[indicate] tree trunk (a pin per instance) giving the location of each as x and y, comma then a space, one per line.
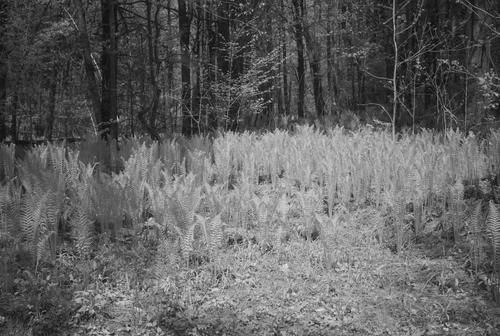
267, 86
222, 52
147, 116
3, 99
3, 73
314, 54
479, 60
184, 32
330, 58
298, 6
197, 50
13, 116
394, 70
109, 64
91, 71
170, 71
52, 105
284, 70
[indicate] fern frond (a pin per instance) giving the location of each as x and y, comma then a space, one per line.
476, 231
32, 216
493, 227
7, 162
45, 248
215, 234
187, 241
81, 230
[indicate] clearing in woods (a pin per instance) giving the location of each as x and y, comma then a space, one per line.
274, 234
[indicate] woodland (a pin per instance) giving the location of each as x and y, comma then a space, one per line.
249, 167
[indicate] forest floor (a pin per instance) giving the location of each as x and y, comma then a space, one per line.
257, 287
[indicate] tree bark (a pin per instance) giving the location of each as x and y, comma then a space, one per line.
479, 60
147, 116
184, 32
315, 64
394, 70
284, 70
298, 6
330, 58
3, 99
314, 54
13, 116
52, 104
109, 65
170, 70
91, 71
3, 73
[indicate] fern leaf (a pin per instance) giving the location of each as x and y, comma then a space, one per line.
187, 241
45, 248
81, 230
493, 227
216, 234
476, 218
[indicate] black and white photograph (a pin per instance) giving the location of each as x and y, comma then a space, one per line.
250, 167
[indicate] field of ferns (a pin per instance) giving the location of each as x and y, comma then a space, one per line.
277, 233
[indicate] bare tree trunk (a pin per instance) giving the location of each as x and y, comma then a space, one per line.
394, 70
286, 86
224, 59
3, 73
298, 6
269, 84
13, 116
284, 63
315, 64
91, 71
130, 98
330, 58
147, 116
196, 98
109, 64
480, 57
184, 32
314, 54
3, 99
52, 104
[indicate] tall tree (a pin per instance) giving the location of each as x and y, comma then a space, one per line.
184, 38
314, 55
3, 70
298, 10
147, 115
109, 65
92, 74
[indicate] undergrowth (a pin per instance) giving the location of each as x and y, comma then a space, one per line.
174, 206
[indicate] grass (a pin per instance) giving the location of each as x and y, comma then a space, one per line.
290, 289
272, 234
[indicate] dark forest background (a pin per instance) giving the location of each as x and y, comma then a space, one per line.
162, 67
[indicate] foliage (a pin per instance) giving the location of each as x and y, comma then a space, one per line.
7, 159
264, 193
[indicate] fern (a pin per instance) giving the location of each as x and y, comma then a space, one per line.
81, 231
187, 240
400, 213
7, 162
476, 232
174, 207
213, 232
260, 209
107, 205
457, 196
493, 228
10, 203
39, 219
